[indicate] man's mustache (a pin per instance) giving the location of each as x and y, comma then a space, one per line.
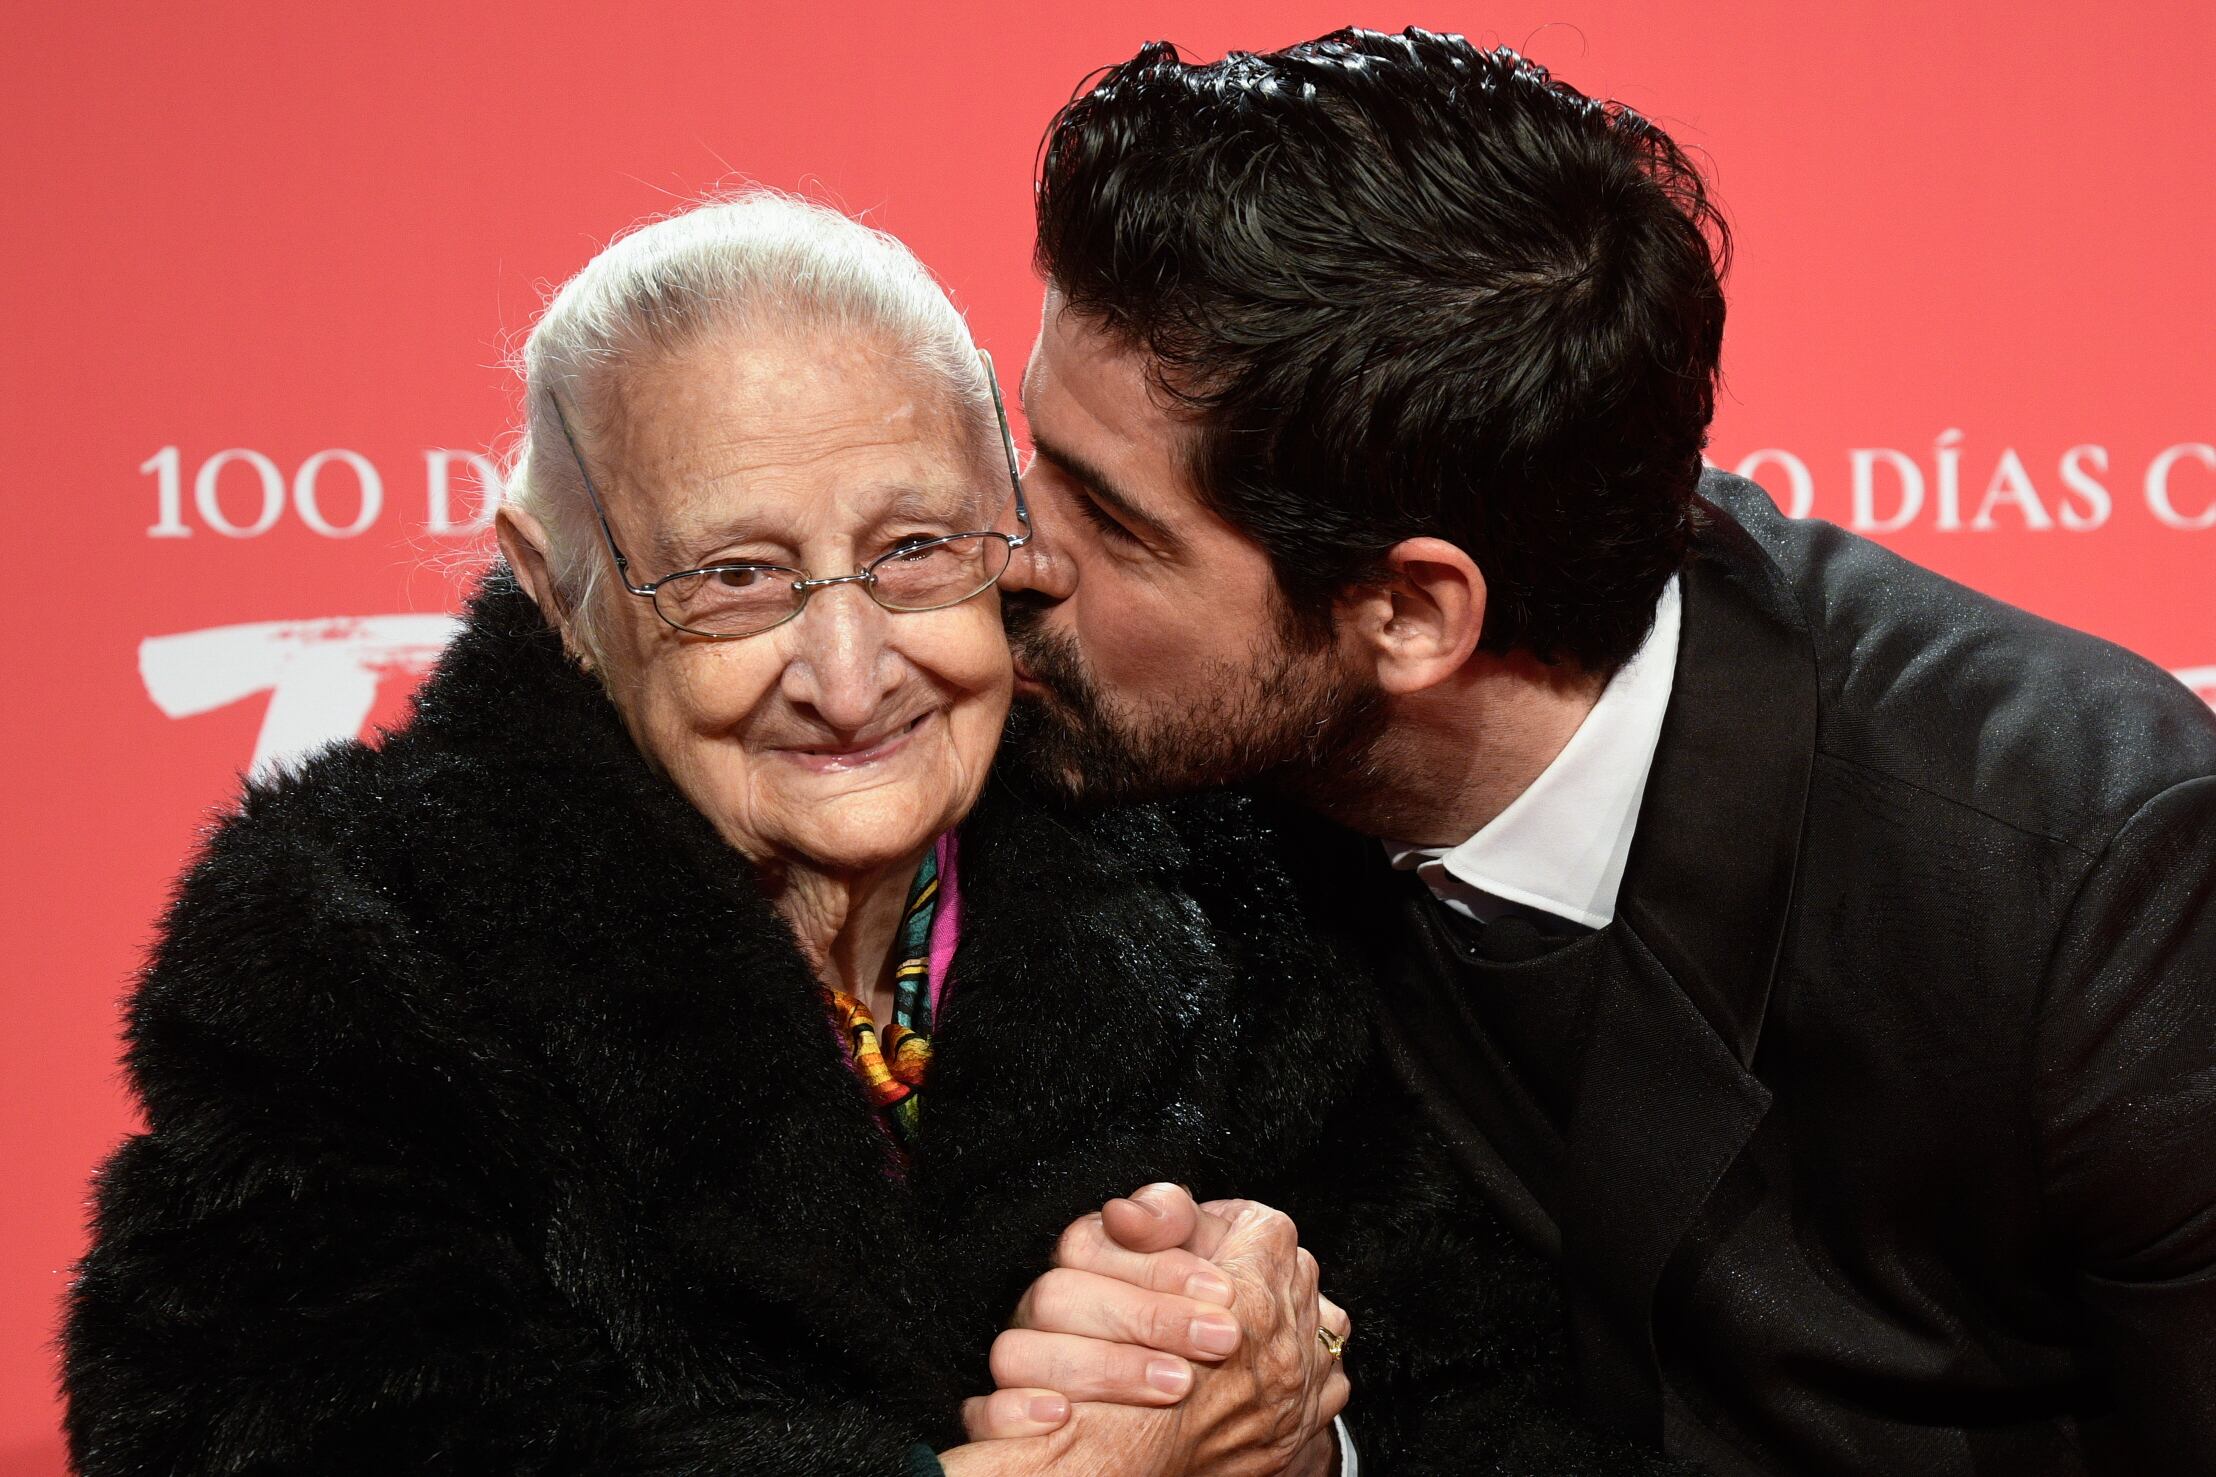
1048, 658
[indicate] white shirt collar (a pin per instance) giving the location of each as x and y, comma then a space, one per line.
1561, 845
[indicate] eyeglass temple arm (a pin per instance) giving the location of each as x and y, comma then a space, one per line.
600, 509
1007, 441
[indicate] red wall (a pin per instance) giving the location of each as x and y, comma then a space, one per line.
1974, 243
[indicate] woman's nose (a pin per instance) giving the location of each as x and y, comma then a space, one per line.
839, 661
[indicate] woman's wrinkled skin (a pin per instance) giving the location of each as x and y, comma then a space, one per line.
834, 748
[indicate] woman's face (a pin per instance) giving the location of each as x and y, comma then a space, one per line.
848, 737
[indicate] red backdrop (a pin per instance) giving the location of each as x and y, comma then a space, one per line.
261, 261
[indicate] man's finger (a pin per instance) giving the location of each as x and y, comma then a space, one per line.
1086, 1246
1152, 1218
1132, 1221
1089, 1369
1146, 1219
1006, 1414
1065, 1300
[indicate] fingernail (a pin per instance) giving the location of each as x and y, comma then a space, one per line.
1049, 1410
1149, 1196
1152, 1211
1170, 1376
1212, 1335
1207, 1287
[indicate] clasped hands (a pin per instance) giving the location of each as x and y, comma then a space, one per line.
1168, 1338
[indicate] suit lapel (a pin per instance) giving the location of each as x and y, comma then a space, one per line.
1710, 878
1668, 1097
1663, 1110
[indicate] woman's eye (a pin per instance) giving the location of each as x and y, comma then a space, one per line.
910, 542
740, 579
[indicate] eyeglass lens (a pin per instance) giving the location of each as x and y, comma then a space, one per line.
738, 600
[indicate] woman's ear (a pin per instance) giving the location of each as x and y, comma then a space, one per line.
523, 545
1420, 623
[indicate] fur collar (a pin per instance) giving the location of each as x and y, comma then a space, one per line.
537, 968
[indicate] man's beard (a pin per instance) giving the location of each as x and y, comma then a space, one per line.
1291, 722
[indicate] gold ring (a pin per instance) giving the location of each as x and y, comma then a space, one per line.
1332, 1343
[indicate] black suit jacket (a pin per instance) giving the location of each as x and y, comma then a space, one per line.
1893, 1145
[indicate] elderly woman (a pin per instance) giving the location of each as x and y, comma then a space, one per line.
671, 1053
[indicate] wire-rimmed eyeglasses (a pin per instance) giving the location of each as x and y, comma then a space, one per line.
724, 602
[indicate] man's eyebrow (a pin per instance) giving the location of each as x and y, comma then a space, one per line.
1104, 491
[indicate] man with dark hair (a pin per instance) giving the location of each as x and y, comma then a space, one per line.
1815, 959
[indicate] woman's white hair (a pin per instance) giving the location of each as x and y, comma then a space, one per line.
758, 259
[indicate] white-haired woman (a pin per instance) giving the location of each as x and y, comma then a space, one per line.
667, 1053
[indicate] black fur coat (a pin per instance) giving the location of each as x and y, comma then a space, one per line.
494, 1125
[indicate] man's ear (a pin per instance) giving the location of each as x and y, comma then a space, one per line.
1421, 623
523, 545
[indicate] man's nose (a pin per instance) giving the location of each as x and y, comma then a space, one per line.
838, 658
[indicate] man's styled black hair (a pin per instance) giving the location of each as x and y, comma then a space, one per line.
1408, 288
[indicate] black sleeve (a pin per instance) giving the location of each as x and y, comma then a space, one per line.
1459, 1360
2126, 1095
318, 1257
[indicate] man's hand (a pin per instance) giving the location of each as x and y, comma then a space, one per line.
1113, 1323
1134, 1314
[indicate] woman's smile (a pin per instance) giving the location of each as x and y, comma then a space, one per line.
834, 757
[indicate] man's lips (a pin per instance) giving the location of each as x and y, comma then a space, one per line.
837, 757
1029, 682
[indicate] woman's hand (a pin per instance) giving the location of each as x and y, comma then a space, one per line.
1276, 1398
1130, 1324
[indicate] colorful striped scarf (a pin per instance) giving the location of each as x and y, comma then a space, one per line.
892, 1062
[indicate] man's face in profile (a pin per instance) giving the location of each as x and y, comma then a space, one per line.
1154, 652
